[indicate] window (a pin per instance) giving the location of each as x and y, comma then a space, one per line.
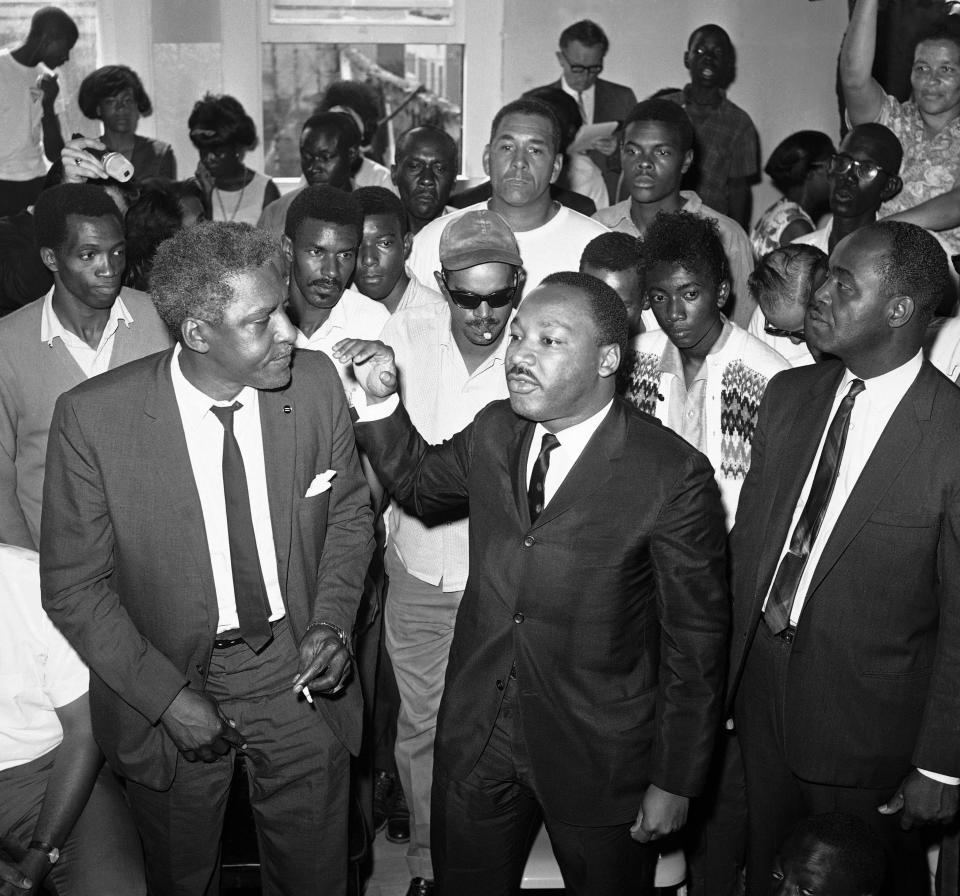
361, 12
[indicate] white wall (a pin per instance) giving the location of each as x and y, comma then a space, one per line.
786, 54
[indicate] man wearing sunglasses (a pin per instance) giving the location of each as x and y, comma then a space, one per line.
583, 47
450, 358
863, 174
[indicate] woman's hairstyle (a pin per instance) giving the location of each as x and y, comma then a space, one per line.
790, 162
109, 81
221, 121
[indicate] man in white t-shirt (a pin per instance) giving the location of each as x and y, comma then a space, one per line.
324, 226
63, 818
29, 127
522, 161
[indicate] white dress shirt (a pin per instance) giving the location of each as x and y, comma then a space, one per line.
586, 101
871, 413
572, 440
90, 360
205, 433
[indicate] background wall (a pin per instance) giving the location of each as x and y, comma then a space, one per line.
786, 55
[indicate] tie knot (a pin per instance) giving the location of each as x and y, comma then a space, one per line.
550, 441
856, 387
224, 413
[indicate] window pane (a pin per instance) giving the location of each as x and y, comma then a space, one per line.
361, 12
423, 81
14, 25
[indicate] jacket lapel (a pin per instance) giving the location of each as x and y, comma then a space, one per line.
517, 456
171, 467
278, 422
897, 443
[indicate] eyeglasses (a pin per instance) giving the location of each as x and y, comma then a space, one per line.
797, 335
470, 301
582, 69
841, 163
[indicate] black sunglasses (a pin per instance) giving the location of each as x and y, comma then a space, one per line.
771, 330
470, 301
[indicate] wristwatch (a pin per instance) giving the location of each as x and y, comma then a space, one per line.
51, 852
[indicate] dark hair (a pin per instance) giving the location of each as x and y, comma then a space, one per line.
606, 307
586, 32
193, 271
190, 189
665, 112
685, 240
857, 850
324, 203
529, 107
787, 276
56, 204
888, 148
338, 123
790, 162
425, 130
107, 81
715, 29
362, 98
220, 121
614, 251
51, 20
947, 29
381, 201
915, 265
153, 218
566, 109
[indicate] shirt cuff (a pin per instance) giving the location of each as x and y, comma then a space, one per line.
943, 779
368, 413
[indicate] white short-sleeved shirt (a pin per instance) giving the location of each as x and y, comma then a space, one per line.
21, 108
39, 670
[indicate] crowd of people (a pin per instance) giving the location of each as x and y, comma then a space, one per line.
365, 487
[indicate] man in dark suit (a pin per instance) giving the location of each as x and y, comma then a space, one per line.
206, 533
583, 47
846, 566
583, 678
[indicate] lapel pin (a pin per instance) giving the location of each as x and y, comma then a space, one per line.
287, 409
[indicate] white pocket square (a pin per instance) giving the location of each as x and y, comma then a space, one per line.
320, 484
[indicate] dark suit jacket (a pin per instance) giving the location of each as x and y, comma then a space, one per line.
613, 604
874, 676
612, 103
125, 570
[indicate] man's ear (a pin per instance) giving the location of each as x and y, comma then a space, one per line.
49, 258
609, 360
353, 153
194, 333
900, 311
407, 244
723, 293
686, 59
441, 285
893, 186
687, 161
486, 160
393, 173
286, 247
557, 167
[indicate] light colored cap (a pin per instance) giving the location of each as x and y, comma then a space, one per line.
478, 237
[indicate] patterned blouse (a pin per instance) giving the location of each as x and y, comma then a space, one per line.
766, 232
931, 166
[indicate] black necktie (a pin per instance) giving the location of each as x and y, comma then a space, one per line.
784, 589
535, 492
253, 608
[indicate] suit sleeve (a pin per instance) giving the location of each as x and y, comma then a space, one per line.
938, 745
77, 574
424, 479
688, 549
348, 543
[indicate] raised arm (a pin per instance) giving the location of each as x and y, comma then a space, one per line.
862, 92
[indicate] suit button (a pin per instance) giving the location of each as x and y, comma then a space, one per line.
528, 542
499, 685
518, 618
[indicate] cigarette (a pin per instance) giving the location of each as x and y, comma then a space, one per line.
307, 695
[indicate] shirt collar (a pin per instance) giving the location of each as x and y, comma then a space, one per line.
336, 320
888, 389
51, 327
574, 438
446, 340
195, 405
672, 361
566, 88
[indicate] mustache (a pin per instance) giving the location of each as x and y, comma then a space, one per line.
520, 370
326, 282
484, 323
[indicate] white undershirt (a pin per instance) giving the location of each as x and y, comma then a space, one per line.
90, 360
204, 433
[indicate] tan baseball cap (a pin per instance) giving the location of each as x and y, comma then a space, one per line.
477, 237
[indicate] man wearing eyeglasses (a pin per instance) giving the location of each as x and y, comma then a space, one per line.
450, 356
583, 47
